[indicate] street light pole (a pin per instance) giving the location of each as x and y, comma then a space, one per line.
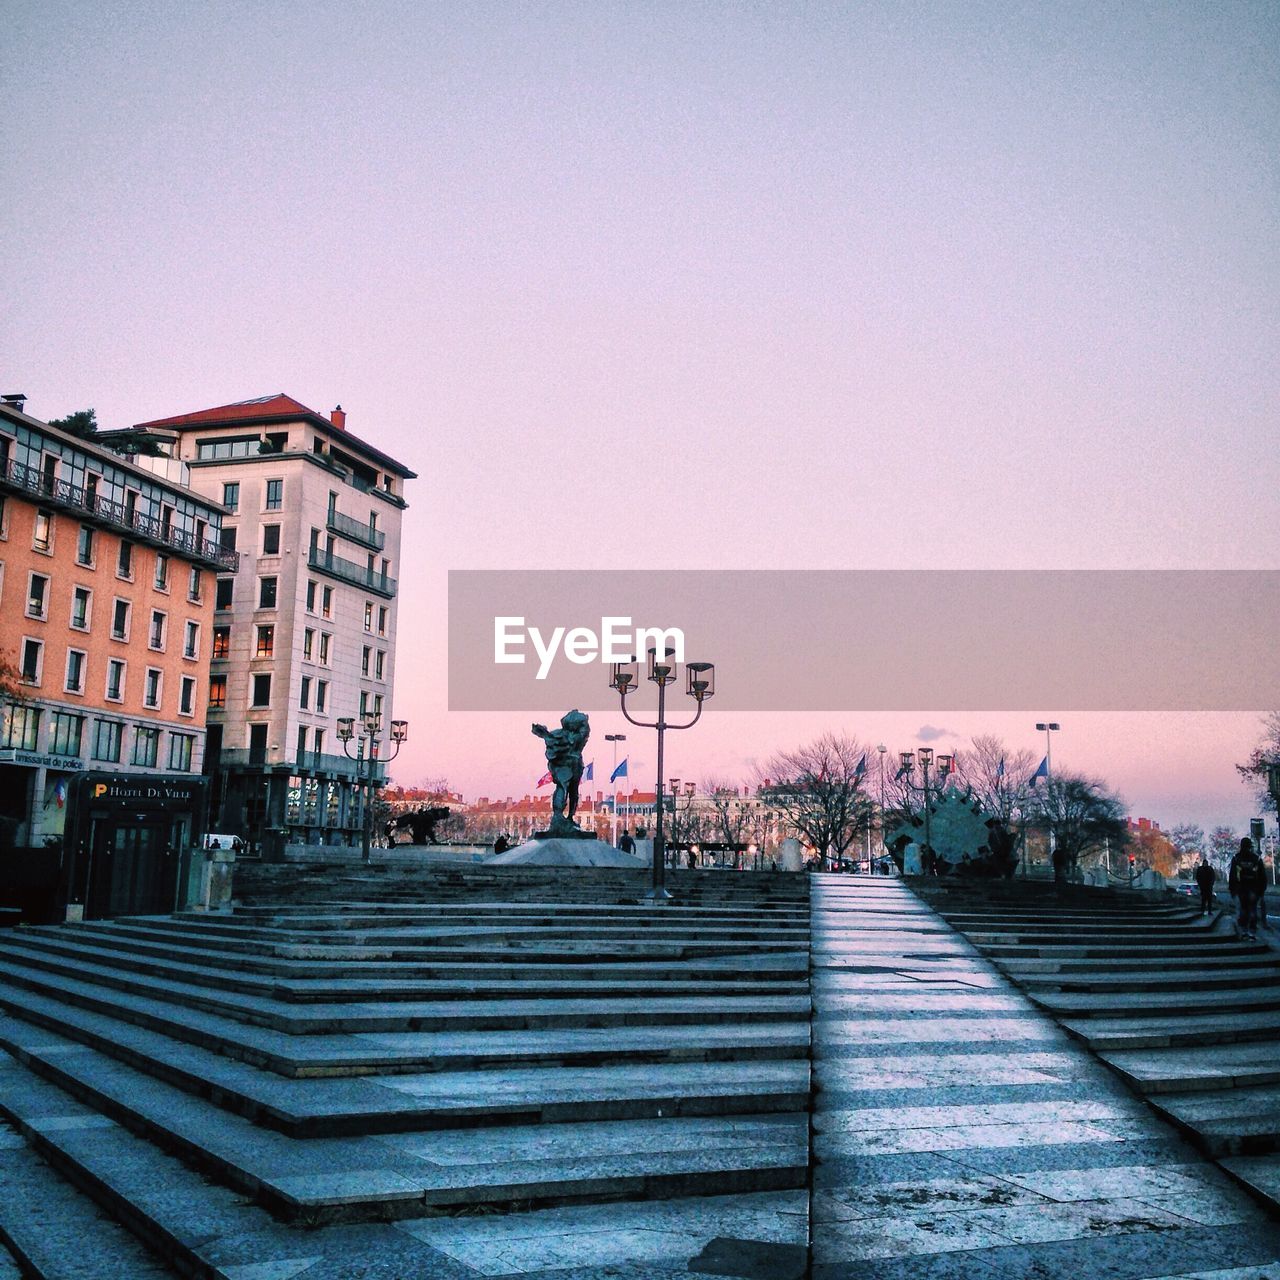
1048, 728
615, 738
884, 848
945, 764
370, 728
701, 685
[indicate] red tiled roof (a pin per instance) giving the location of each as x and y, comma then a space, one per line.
277, 408
279, 405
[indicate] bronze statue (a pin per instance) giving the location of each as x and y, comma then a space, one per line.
564, 762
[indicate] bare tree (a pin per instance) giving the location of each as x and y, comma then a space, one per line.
818, 789
998, 777
1254, 769
1188, 842
1081, 814
1223, 843
730, 813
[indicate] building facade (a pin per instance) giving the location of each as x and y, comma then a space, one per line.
107, 575
304, 630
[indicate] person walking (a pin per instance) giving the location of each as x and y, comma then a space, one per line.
1247, 879
1206, 876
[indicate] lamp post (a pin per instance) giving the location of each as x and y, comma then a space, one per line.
701, 685
615, 738
884, 848
945, 764
370, 728
1048, 728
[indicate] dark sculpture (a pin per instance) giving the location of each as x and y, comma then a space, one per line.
419, 823
564, 762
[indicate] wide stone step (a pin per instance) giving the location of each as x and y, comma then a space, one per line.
1258, 1174
360, 1177
327, 1107
97, 986
1185, 949
1171, 1004
55, 1230
1138, 980
79, 1011
301, 990
1191, 963
1230, 1122
1182, 1070
1221, 1027
317, 961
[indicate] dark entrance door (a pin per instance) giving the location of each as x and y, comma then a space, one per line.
134, 870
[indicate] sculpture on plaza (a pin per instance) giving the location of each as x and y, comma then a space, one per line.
564, 748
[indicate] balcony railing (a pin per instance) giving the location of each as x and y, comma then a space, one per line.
348, 571
346, 527
59, 493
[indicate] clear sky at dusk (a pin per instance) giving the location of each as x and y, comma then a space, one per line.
691, 285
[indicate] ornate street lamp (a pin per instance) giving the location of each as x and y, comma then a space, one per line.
945, 764
662, 671
370, 728
615, 738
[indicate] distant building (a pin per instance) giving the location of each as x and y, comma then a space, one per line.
304, 632
106, 607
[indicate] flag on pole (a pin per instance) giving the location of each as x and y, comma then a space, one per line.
546, 779
589, 773
1041, 772
620, 771
862, 767
60, 792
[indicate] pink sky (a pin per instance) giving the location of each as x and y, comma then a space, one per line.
647, 285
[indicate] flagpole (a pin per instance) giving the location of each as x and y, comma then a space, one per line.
615, 738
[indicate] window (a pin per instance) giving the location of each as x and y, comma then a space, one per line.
261, 689
180, 750
270, 539
120, 620
146, 746
326, 603
81, 602
364, 703
65, 732
368, 615
380, 665
366, 655
222, 642
108, 735
38, 596
76, 661
187, 696
239, 447
217, 692
377, 707
32, 661
302, 742
22, 727
115, 679
304, 698
124, 561
195, 584
322, 694
191, 640
222, 597
266, 593
231, 496
162, 573
49, 472
311, 597
382, 621
84, 546
42, 533
275, 495
155, 637
308, 644
319, 742
325, 638
266, 645
151, 687
227, 537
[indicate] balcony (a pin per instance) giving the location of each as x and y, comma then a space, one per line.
346, 527
308, 762
62, 496
348, 571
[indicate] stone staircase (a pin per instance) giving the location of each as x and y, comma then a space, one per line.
376, 1060
1185, 1011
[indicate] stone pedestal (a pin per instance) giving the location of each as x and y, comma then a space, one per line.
560, 851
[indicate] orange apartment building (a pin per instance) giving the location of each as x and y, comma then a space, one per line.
107, 573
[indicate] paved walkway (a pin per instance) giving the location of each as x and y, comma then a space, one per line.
959, 1133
